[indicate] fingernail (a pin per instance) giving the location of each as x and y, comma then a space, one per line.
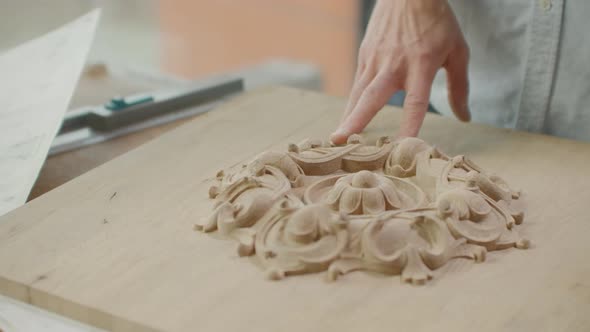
339, 136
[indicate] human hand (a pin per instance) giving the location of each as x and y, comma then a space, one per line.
407, 41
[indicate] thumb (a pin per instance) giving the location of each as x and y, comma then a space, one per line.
458, 82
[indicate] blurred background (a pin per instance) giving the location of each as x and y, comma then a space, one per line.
197, 38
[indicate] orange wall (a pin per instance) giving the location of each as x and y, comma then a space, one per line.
205, 37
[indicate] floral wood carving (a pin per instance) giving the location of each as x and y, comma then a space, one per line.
397, 207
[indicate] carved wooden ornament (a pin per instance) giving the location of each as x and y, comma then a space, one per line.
397, 207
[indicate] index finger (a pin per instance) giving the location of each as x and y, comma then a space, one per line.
373, 98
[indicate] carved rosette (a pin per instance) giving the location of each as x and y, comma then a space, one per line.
399, 208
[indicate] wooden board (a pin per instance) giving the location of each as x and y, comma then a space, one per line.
115, 247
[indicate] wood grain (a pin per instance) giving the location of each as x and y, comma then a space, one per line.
131, 262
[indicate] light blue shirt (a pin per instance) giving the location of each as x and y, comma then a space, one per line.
530, 65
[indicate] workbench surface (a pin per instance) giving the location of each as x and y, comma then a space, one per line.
115, 247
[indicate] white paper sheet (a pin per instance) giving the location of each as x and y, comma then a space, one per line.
16, 316
37, 80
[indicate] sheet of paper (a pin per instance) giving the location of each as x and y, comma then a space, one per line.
17, 316
37, 80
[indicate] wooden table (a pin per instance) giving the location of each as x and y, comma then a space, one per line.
115, 246
95, 87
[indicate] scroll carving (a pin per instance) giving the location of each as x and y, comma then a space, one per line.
397, 207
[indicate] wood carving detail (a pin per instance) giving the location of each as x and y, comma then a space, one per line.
397, 207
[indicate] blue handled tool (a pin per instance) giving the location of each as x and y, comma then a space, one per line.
121, 116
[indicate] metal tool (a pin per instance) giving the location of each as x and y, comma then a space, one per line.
121, 116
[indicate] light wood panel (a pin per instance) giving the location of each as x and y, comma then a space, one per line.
131, 262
